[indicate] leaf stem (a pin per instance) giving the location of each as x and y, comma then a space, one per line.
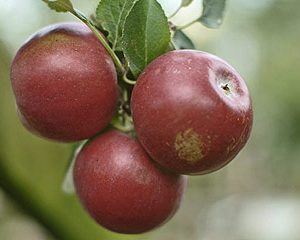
172, 44
174, 13
187, 25
115, 58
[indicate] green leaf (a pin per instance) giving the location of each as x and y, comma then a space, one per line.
182, 41
185, 3
212, 14
146, 34
60, 5
112, 16
68, 183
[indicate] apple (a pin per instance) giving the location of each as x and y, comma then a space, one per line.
192, 111
65, 83
121, 188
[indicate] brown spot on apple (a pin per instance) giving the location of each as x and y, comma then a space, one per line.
188, 146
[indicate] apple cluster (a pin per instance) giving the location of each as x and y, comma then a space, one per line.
191, 112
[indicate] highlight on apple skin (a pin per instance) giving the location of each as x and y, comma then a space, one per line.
120, 186
192, 112
65, 83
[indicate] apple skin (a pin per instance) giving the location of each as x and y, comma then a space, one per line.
65, 83
192, 112
121, 188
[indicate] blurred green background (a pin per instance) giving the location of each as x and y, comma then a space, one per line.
257, 196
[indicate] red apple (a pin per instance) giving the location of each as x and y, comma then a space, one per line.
65, 83
121, 188
192, 111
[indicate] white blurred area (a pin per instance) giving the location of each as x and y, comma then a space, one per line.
251, 218
19, 19
235, 217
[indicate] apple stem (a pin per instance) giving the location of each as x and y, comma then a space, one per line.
127, 80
